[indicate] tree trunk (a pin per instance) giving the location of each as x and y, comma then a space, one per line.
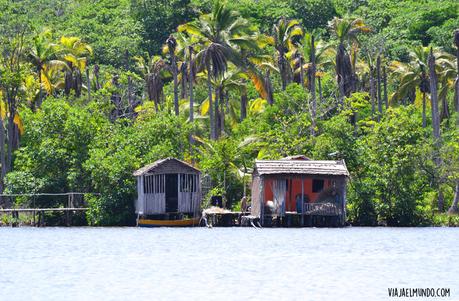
218, 93
88, 80
313, 87
386, 98
191, 109
78, 82
68, 81
435, 123
378, 80
183, 92
444, 107
456, 102
10, 141
454, 205
40, 91
174, 74
243, 101
372, 92
302, 72
96, 76
319, 83
190, 78
269, 87
424, 122
211, 110
222, 112
2, 158
282, 70
130, 94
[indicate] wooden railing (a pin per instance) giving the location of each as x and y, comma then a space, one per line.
72, 202
321, 209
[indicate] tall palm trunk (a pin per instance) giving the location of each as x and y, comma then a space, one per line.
96, 76
218, 93
183, 91
40, 91
174, 74
211, 110
424, 121
435, 123
319, 83
10, 141
313, 86
269, 87
444, 114
456, 98
386, 98
221, 129
88, 83
372, 91
243, 101
2, 157
454, 205
302, 72
190, 78
282, 69
378, 80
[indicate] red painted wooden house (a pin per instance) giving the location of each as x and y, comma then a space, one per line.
299, 186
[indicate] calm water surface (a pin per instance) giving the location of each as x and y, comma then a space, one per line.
224, 263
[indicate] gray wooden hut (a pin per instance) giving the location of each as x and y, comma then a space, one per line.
168, 186
299, 186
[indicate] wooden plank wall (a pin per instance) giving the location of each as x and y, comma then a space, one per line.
255, 203
189, 193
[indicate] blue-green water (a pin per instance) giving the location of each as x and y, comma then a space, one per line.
224, 263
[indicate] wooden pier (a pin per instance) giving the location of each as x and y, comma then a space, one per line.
38, 214
289, 220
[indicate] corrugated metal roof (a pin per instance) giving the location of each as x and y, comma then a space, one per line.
306, 167
157, 163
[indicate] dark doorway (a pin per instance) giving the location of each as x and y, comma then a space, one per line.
171, 193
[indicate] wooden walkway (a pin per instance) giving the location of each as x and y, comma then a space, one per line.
72, 206
32, 210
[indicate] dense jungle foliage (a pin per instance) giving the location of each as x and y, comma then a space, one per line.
92, 90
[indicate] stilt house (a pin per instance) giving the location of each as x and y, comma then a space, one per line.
168, 186
299, 186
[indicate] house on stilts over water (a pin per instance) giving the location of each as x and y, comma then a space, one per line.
168, 194
296, 191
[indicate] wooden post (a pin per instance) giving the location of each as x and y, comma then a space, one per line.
343, 201
262, 201
67, 213
33, 202
302, 202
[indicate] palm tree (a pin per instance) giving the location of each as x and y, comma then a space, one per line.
154, 70
308, 56
435, 119
285, 37
171, 45
454, 206
233, 79
75, 53
347, 31
42, 55
456, 98
413, 76
301, 56
221, 34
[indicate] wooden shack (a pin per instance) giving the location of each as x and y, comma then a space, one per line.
299, 187
168, 187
